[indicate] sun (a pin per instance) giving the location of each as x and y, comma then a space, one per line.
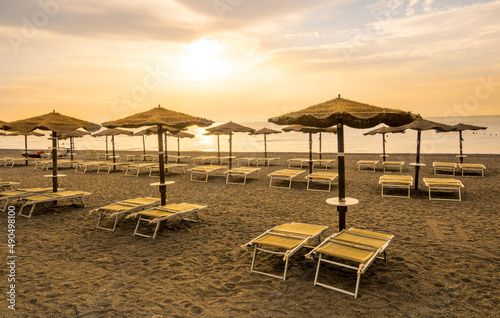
205, 60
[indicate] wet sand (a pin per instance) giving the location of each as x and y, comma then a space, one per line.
443, 261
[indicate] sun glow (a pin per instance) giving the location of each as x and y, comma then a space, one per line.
205, 60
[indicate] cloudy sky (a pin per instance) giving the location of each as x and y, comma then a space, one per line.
247, 60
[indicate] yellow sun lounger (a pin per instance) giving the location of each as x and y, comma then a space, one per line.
301, 161
203, 159
241, 172
165, 213
120, 209
285, 174
7, 185
204, 171
285, 240
321, 177
393, 165
16, 194
266, 161
109, 165
353, 249
396, 181
444, 185
82, 167
168, 167
444, 166
135, 169
325, 162
367, 163
51, 197
472, 167
177, 159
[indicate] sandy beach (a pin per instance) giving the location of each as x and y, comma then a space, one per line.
443, 261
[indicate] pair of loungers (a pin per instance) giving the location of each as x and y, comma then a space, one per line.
353, 248
388, 165
447, 167
321, 177
147, 210
434, 185
257, 161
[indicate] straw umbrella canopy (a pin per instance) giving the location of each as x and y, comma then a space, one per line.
419, 125
58, 124
265, 132
71, 135
381, 130
340, 112
153, 131
112, 132
31, 133
179, 135
230, 128
159, 117
461, 127
310, 131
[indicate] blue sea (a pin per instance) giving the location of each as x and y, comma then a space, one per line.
474, 142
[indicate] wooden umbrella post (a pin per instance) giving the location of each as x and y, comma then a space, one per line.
114, 154
383, 147
320, 154
161, 158
461, 153
179, 146
230, 149
341, 167
417, 159
54, 162
310, 153
265, 146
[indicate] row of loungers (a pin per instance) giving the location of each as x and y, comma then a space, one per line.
439, 167
352, 249
434, 185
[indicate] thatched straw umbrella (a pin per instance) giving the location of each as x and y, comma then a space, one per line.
71, 135
160, 117
381, 130
310, 131
340, 112
461, 127
153, 131
230, 128
112, 132
179, 135
58, 124
265, 132
419, 125
31, 133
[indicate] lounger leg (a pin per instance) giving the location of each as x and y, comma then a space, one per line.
156, 229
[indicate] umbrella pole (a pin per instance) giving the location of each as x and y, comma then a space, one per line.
26, 148
218, 149
320, 155
383, 147
417, 160
230, 150
341, 170
461, 153
54, 162
71, 147
143, 145
106, 147
114, 157
310, 153
265, 146
161, 157
166, 151
178, 146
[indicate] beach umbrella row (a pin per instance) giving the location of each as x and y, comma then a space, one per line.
179, 135
112, 132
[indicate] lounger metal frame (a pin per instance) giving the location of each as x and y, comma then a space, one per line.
129, 207
444, 185
54, 196
393, 164
444, 166
321, 177
368, 163
361, 267
138, 167
241, 172
286, 254
168, 167
393, 181
171, 211
302, 161
472, 167
205, 171
320, 162
285, 174
17, 194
